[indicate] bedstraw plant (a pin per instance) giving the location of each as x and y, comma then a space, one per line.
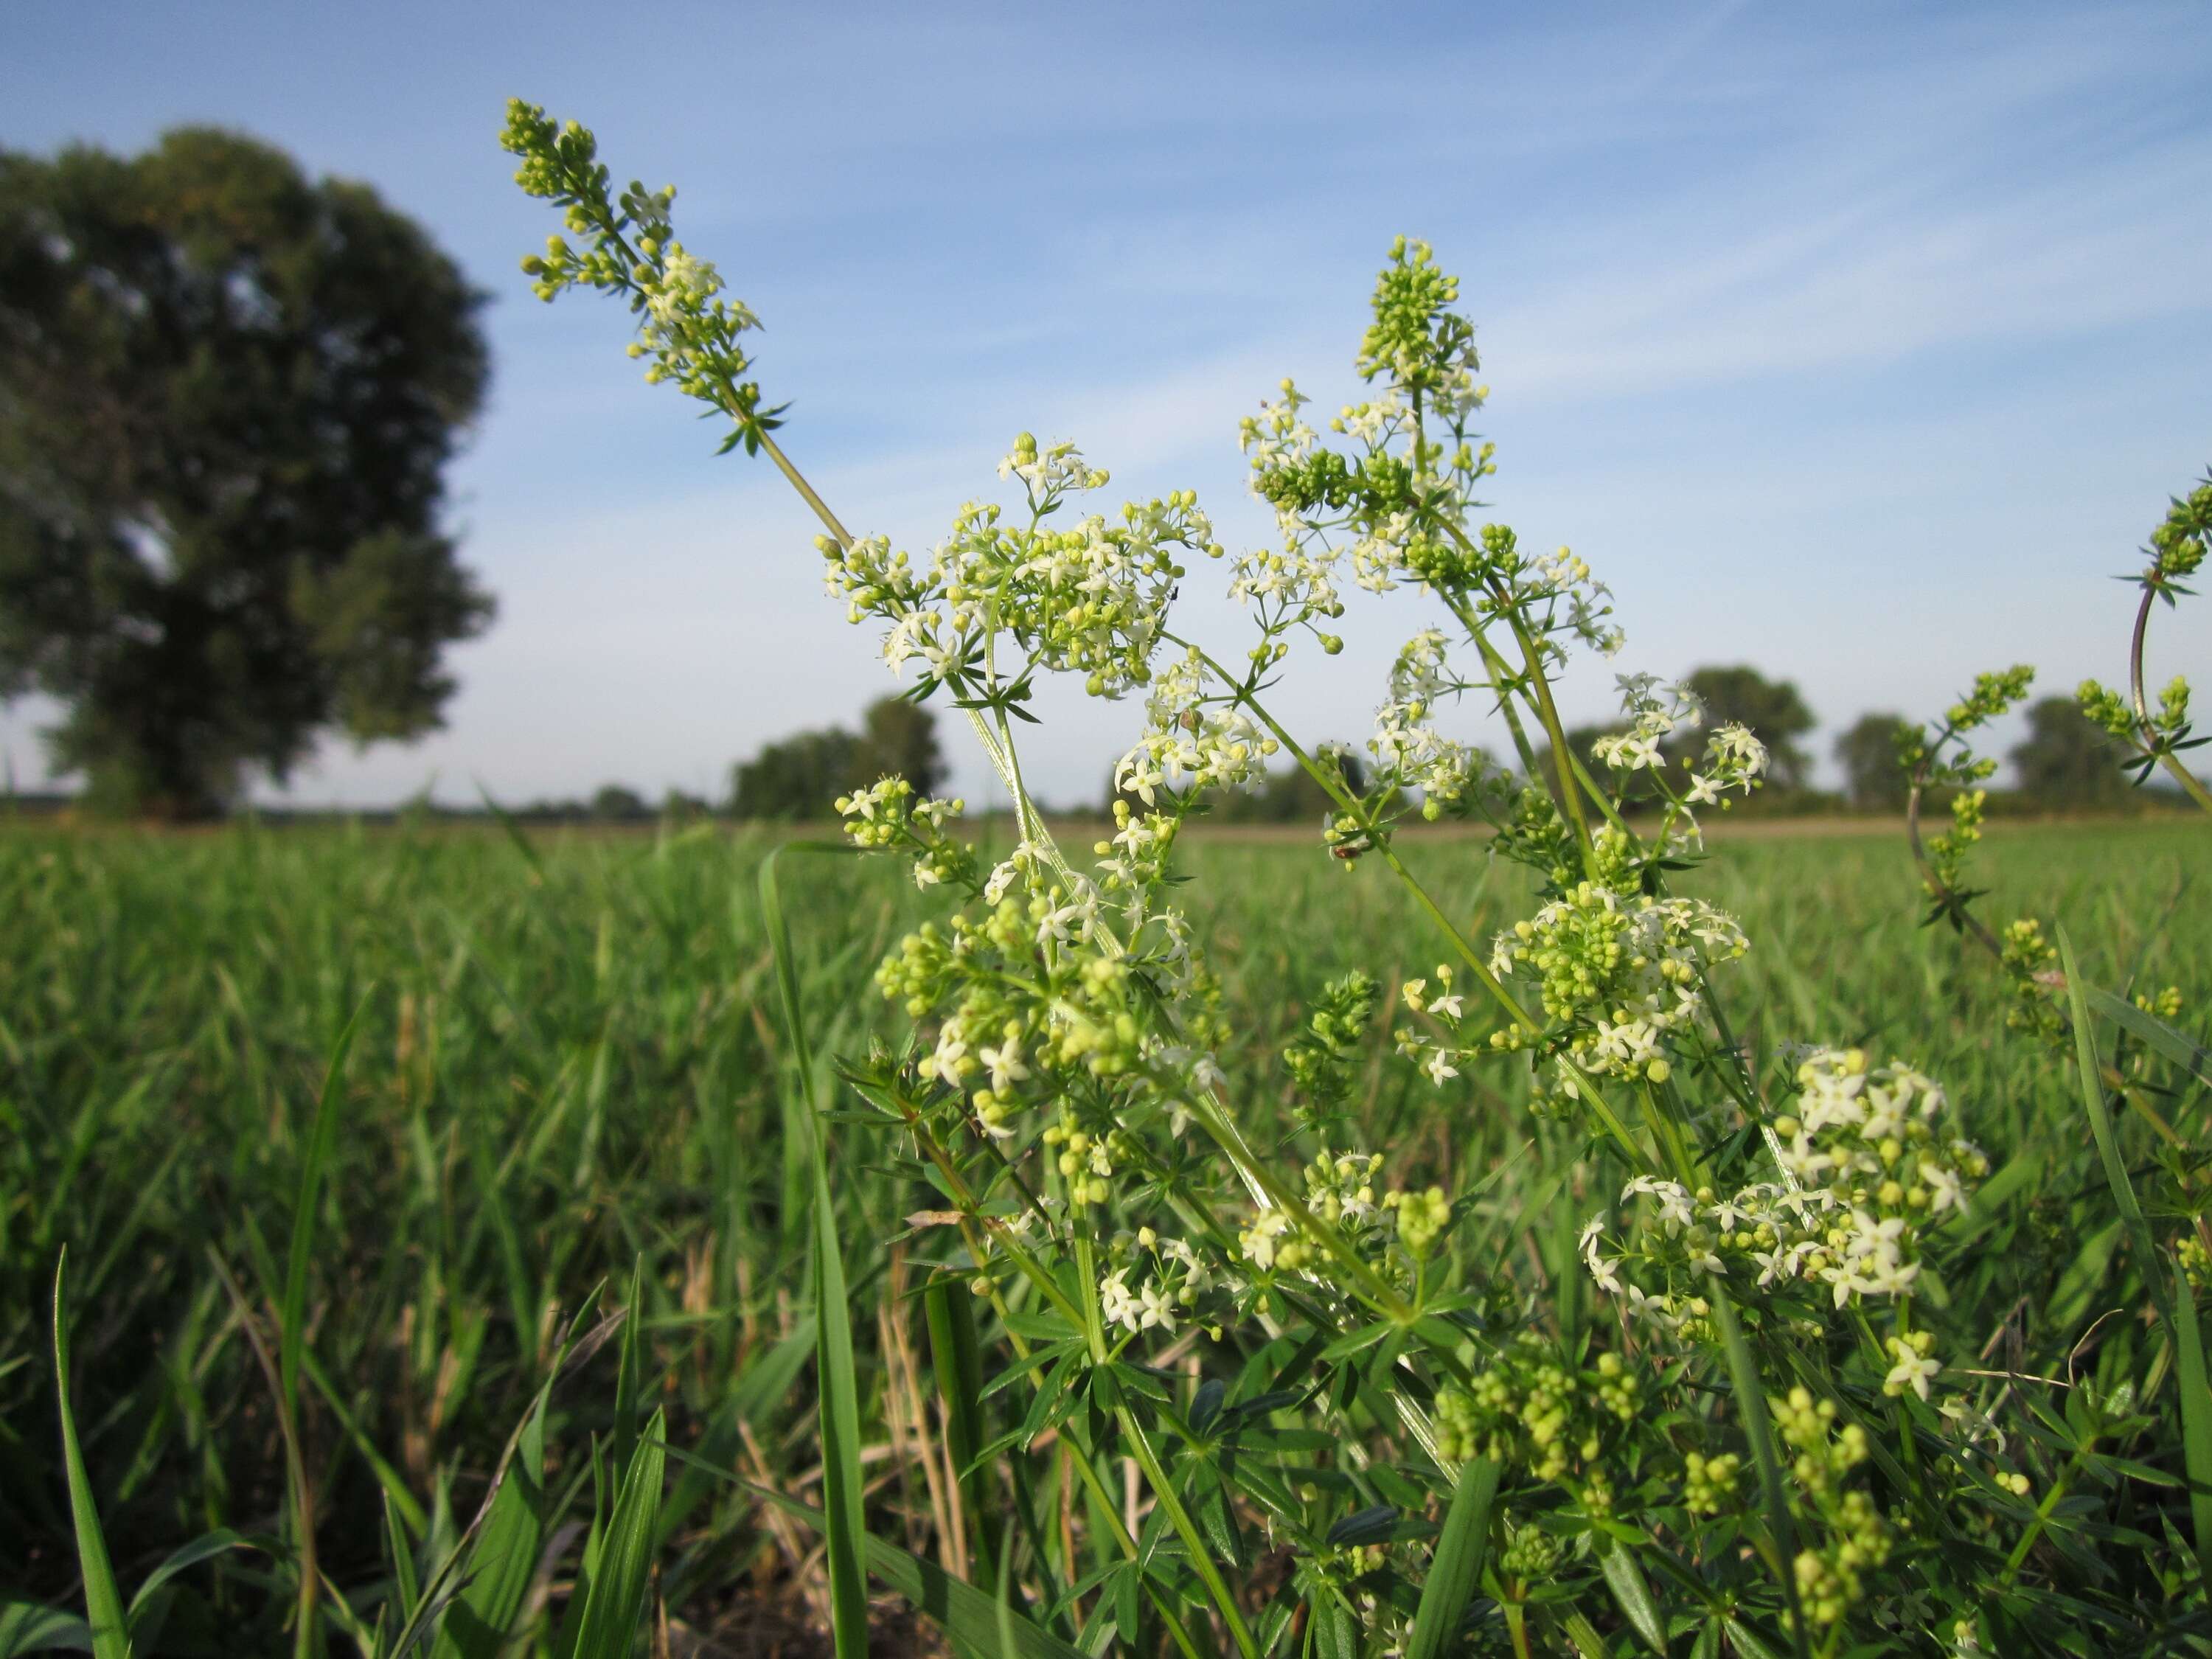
1769, 1431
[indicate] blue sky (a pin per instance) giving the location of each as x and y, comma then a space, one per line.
1860, 341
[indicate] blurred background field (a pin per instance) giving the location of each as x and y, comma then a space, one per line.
568, 1060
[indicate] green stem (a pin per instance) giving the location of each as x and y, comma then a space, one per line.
2171, 761
1156, 1476
1586, 1089
2044, 1511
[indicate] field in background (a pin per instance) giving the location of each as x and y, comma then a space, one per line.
568, 1060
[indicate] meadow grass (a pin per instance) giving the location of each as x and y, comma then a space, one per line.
567, 1064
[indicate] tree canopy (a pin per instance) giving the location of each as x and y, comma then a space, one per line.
228, 395
2067, 759
1867, 753
802, 776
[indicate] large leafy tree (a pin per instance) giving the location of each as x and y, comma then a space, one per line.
2067, 759
801, 776
228, 395
1872, 774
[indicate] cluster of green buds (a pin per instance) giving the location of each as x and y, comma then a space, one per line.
1711, 1484
1620, 972
687, 327
886, 817
1854, 1540
2029, 962
1940, 757
2159, 736
1532, 1408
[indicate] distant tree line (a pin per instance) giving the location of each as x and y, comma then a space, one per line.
2063, 763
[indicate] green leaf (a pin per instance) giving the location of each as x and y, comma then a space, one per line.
1456, 1567
103, 1602
1750, 1643
614, 1609
2196, 1419
1631, 1589
26, 1627
505, 1558
2150, 1030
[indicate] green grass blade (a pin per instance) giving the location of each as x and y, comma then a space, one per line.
841, 1428
191, 1555
2153, 1031
629, 1374
292, 1318
615, 1608
322, 1142
2196, 1419
1758, 1429
836, 1378
956, 1362
26, 1627
2092, 1076
103, 1602
1456, 1567
505, 1558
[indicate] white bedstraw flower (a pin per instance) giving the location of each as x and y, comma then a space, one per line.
1440, 1066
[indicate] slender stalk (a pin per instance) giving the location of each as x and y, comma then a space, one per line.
2187, 779
1586, 1089
1936, 889
1163, 1491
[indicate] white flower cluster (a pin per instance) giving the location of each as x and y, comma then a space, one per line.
1657, 710
1378, 557
886, 815
1865, 1173
1406, 744
1188, 742
1294, 585
1448, 1007
683, 316
1563, 578
1169, 1292
1734, 759
1091, 598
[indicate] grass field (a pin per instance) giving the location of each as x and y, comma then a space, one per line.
567, 1062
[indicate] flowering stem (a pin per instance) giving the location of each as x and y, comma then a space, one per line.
2167, 758
1585, 1088
2044, 1511
1936, 888
1562, 758
1156, 1476
1539, 688
1501, 682
842, 535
